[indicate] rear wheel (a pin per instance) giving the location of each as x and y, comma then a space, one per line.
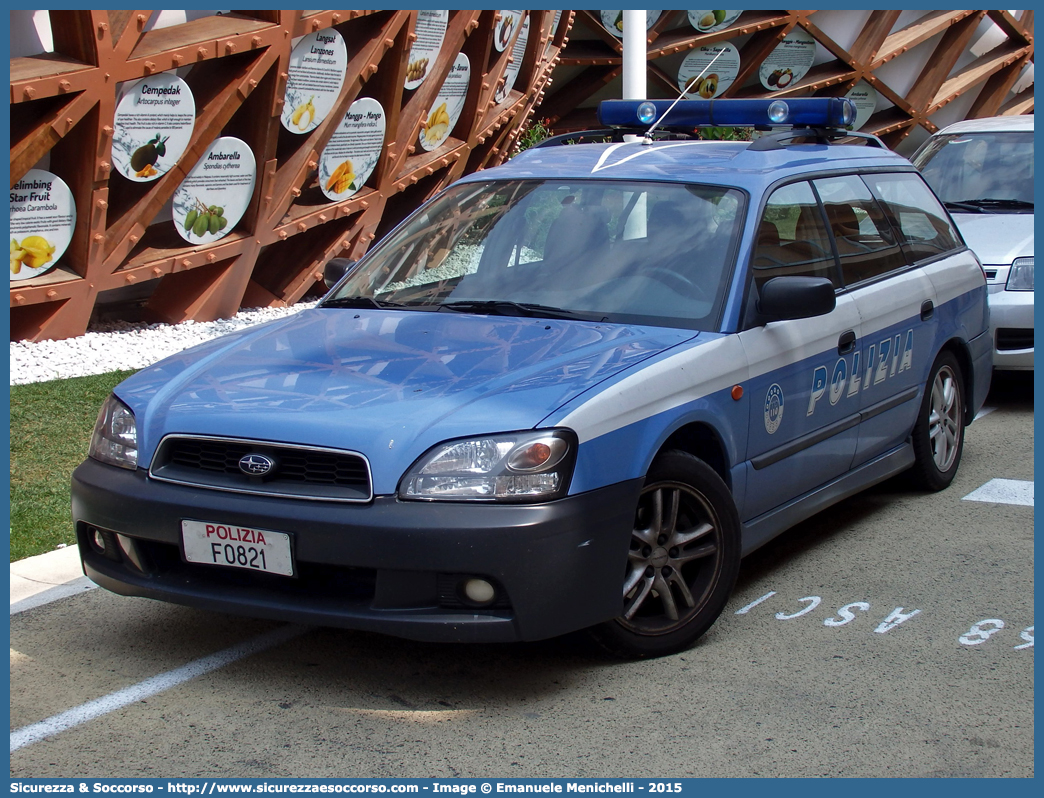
938, 435
682, 563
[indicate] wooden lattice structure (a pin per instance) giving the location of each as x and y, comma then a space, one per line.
63, 103
936, 43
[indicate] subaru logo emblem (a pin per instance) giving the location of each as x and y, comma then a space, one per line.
256, 465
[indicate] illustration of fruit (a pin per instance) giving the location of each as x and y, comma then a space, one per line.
774, 77
303, 115
203, 219
508, 26
342, 179
143, 159
619, 21
709, 86
417, 69
719, 17
17, 253
437, 126
708, 20
34, 252
784, 78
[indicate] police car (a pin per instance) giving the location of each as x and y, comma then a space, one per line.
569, 392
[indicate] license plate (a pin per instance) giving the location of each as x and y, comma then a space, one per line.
237, 547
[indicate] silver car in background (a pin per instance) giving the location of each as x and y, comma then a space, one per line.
982, 169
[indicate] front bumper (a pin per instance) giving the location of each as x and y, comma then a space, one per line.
388, 566
1011, 328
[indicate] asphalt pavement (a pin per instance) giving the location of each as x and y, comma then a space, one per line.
891, 635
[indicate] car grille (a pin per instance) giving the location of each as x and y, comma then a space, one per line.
1009, 338
301, 472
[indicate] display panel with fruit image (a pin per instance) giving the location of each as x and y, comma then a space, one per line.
864, 96
42, 220
448, 105
707, 21
708, 71
505, 29
213, 198
318, 65
518, 52
430, 31
612, 21
353, 150
789, 62
152, 127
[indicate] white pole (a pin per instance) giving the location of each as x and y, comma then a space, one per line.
634, 55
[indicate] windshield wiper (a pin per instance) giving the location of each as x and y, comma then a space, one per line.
360, 302
987, 204
503, 307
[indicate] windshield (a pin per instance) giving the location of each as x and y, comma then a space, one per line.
597, 250
981, 172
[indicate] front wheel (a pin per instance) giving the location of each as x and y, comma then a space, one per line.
683, 560
938, 434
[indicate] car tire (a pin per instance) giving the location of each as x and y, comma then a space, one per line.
938, 434
682, 563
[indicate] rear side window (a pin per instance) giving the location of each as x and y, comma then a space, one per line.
973, 167
865, 241
792, 239
915, 212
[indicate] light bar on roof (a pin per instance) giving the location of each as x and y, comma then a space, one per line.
821, 112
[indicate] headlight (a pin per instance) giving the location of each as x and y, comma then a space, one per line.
521, 466
115, 438
1020, 278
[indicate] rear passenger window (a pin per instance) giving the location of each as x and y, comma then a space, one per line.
865, 241
792, 239
915, 212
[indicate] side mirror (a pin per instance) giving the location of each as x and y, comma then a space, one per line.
335, 269
795, 298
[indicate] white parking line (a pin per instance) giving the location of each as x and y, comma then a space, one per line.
1003, 491
76, 716
52, 594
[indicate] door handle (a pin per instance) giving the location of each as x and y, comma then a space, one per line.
927, 310
846, 343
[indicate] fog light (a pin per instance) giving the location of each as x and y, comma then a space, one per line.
99, 540
479, 590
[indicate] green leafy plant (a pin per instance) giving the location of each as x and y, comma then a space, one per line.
536, 131
725, 133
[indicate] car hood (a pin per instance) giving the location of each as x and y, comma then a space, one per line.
389, 384
997, 238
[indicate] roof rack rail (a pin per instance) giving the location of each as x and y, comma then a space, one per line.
614, 134
774, 141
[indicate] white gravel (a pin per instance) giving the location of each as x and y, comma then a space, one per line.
124, 345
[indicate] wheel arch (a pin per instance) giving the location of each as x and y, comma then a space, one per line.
959, 349
703, 442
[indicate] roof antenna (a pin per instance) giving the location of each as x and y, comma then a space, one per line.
647, 138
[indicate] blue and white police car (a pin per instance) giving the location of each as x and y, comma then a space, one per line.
569, 392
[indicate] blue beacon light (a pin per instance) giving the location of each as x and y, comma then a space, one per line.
820, 112
647, 113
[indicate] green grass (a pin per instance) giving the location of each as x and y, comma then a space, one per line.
51, 425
